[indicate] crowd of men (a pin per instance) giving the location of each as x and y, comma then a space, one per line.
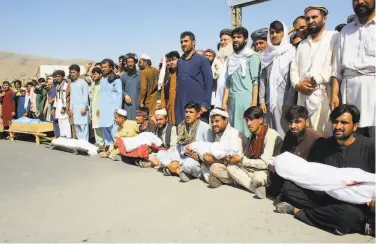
308, 93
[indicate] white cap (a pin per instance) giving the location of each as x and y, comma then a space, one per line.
121, 112
146, 57
221, 112
161, 112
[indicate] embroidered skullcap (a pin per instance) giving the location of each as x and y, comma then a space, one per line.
317, 7
260, 34
121, 112
161, 112
218, 111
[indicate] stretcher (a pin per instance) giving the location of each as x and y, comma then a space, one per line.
38, 130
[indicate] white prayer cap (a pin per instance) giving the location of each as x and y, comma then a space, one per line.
218, 111
121, 112
145, 57
161, 112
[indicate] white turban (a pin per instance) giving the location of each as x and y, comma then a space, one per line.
145, 57
161, 112
121, 112
221, 112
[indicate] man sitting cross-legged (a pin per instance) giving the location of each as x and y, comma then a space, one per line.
126, 128
251, 171
215, 170
343, 150
167, 133
183, 161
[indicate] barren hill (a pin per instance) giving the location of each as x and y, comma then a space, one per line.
24, 67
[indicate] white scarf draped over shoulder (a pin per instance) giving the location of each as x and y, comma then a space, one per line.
280, 61
237, 60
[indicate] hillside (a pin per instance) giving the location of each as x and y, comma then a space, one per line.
18, 66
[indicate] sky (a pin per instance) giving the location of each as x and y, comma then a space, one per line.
95, 29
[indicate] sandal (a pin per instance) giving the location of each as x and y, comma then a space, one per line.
145, 164
166, 171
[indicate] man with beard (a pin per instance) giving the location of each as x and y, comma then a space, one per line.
110, 100
148, 84
167, 133
195, 79
259, 38
214, 171
312, 67
343, 150
60, 106
218, 66
354, 67
169, 86
210, 55
300, 26
275, 92
241, 90
131, 85
300, 138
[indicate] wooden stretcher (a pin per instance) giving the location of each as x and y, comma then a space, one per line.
37, 130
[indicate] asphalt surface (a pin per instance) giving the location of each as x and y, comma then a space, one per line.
53, 196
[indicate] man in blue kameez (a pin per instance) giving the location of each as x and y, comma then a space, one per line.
111, 97
131, 84
194, 79
79, 103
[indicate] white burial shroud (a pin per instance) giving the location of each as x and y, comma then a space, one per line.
218, 149
76, 144
145, 138
321, 177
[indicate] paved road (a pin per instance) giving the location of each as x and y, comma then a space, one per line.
53, 196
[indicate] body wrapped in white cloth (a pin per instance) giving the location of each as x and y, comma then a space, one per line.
321, 177
218, 149
145, 138
76, 144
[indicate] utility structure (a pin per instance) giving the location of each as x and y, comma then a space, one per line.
236, 10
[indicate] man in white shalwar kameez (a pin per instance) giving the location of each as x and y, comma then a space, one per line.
219, 66
60, 105
275, 92
214, 171
312, 67
354, 66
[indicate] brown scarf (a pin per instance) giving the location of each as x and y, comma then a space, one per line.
256, 145
186, 136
